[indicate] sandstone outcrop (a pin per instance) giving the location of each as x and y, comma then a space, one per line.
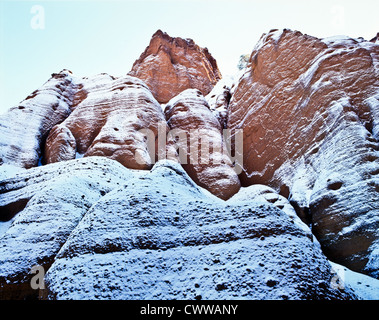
170, 65
218, 99
102, 231
110, 121
24, 128
202, 150
55, 198
196, 227
309, 110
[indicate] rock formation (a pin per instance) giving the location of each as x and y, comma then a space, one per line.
309, 109
24, 128
202, 149
170, 65
55, 198
184, 228
112, 233
218, 99
110, 121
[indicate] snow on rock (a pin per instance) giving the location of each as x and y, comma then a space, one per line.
261, 193
56, 197
8, 171
218, 99
4, 226
24, 128
170, 65
189, 116
365, 287
16, 191
161, 237
110, 121
309, 111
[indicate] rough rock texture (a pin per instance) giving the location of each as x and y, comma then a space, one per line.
161, 237
24, 128
202, 150
309, 109
109, 122
102, 231
262, 193
170, 65
218, 99
56, 197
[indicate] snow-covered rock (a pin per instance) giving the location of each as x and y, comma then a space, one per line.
56, 197
24, 128
365, 287
309, 112
218, 99
202, 149
102, 231
161, 237
110, 121
262, 193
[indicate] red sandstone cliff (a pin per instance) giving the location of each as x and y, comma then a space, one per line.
170, 65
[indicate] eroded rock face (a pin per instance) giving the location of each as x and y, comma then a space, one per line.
218, 99
101, 231
109, 122
309, 111
55, 198
24, 128
202, 150
170, 65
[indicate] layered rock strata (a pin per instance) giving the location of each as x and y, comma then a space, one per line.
55, 197
170, 65
309, 111
201, 147
23, 129
111, 121
113, 233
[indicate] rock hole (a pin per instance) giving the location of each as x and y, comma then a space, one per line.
272, 200
8, 211
284, 191
221, 286
315, 150
370, 158
335, 185
272, 283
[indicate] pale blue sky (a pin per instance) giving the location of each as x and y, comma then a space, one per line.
90, 37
